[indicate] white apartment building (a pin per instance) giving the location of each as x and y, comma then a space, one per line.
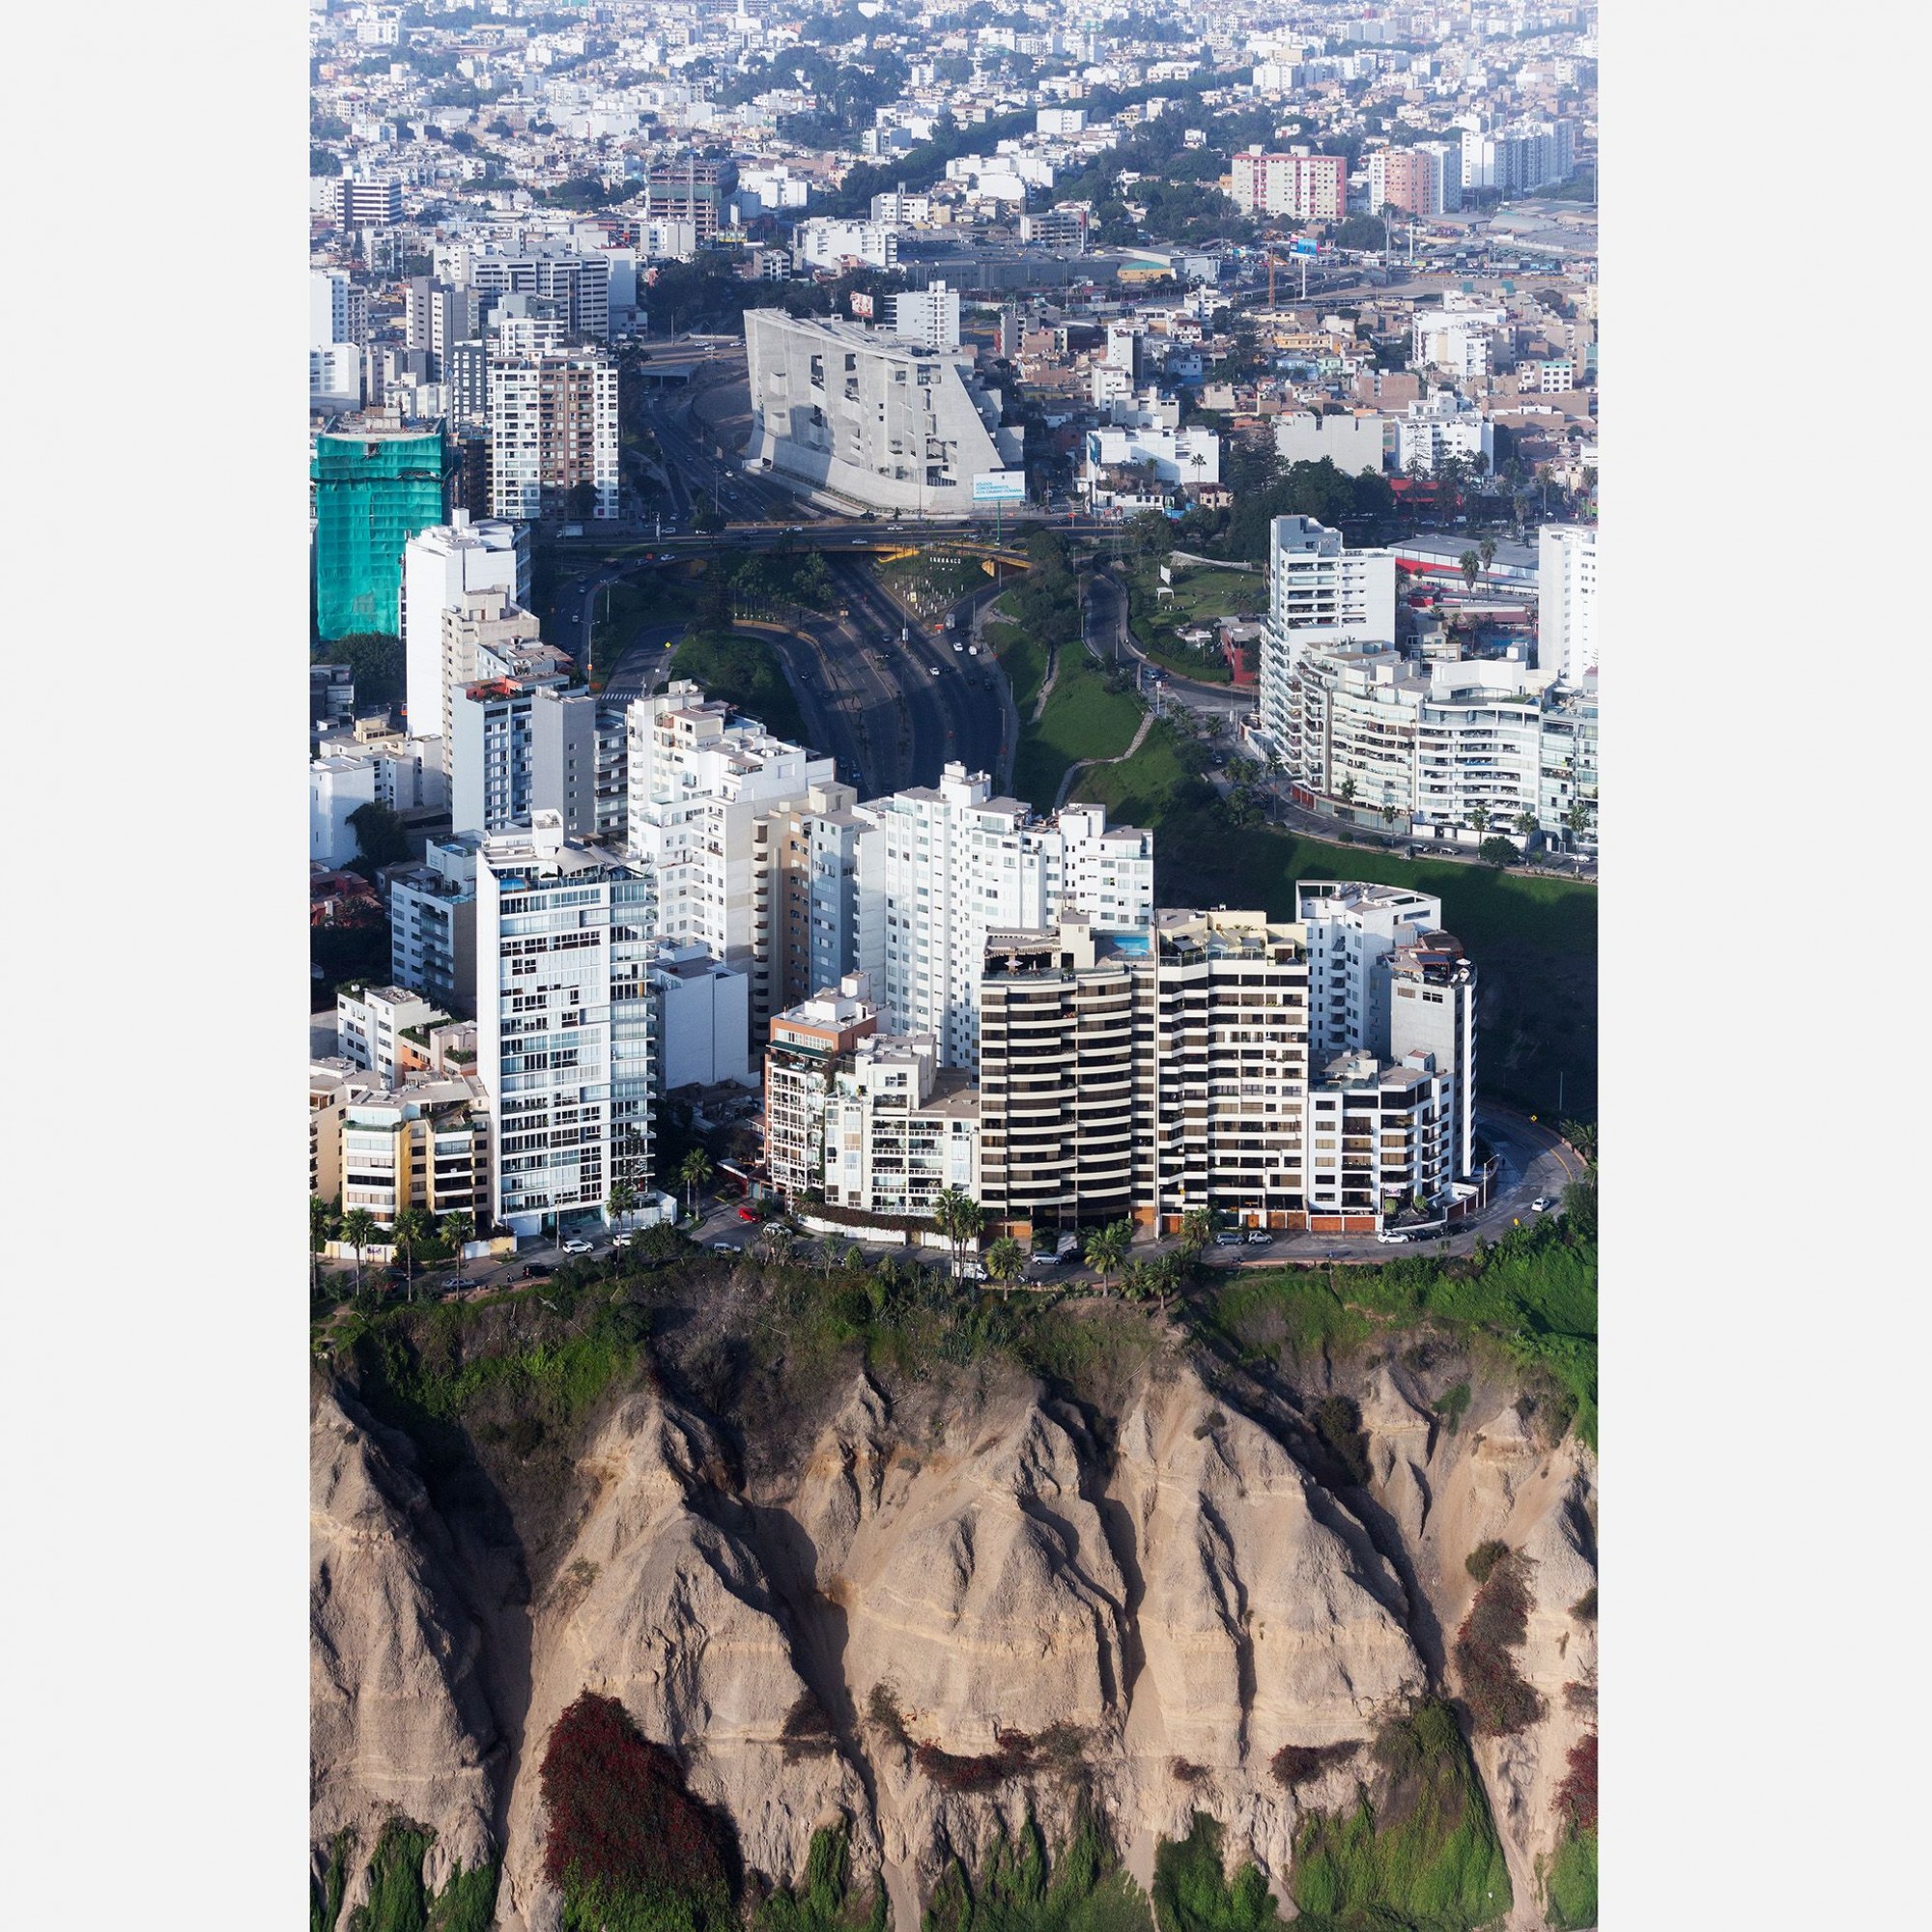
404, 774
1522, 158
1569, 781
887, 425
579, 282
825, 244
1352, 926
338, 311
940, 866
709, 795
930, 315
704, 1019
1451, 749
335, 383
1319, 591
1433, 1014
1354, 440
476, 632
443, 566
433, 925
565, 1023
899, 210
520, 744
1439, 426
899, 1129
1381, 1135
1460, 338
370, 1022
818, 847
552, 427
807, 1041
1180, 457
1566, 592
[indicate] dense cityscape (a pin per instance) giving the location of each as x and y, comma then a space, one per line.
957, 646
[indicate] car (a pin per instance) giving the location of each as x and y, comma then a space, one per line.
465, 1281
1542, 1205
1260, 1238
972, 650
537, 1271
1230, 1237
1390, 1237
971, 1270
957, 645
748, 1213
576, 1246
726, 1248
622, 1241
932, 671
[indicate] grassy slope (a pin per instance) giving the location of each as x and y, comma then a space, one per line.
1083, 719
744, 671
1534, 939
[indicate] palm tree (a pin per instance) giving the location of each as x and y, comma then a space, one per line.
1471, 566
1526, 825
320, 1215
1108, 1248
1137, 1280
1577, 822
1480, 820
777, 1240
1486, 551
1005, 1263
409, 1229
458, 1228
623, 1201
1197, 1229
693, 1173
959, 1218
359, 1230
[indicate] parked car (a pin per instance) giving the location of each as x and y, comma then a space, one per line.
576, 1246
622, 1241
748, 1213
726, 1248
465, 1281
1390, 1237
971, 1270
1260, 1238
537, 1271
1230, 1237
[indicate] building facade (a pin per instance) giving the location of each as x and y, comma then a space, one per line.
433, 926
565, 1023
940, 866
374, 489
1319, 591
553, 436
1565, 590
442, 567
884, 424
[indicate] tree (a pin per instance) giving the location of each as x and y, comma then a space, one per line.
1496, 852
1472, 567
379, 838
694, 1171
623, 1201
776, 1241
1347, 791
1108, 1248
319, 1216
458, 1228
581, 501
1577, 822
1480, 820
1197, 1229
1005, 1263
959, 1218
409, 1229
1525, 824
359, 1230
1486, 551
375, 663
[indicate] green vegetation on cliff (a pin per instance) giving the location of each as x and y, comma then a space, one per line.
1017, 1888
1424, 1858
1194, 1893
1571, 1883
828, 1901
398, 1899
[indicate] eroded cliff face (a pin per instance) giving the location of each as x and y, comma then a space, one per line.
1167, 1595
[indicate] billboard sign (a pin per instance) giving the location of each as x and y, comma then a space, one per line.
1000, 486
1301, 245
862, 304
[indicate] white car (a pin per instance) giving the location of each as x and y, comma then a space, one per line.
1542, 1205
576, 1245
932, 671
622, 1241
957, 645
1389, 1238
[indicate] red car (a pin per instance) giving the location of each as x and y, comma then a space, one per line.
748, 1213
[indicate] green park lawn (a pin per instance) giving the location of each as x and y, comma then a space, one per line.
1082, 720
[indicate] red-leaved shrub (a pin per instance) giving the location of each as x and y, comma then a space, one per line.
1500, 1702
626, 1840
1577, 1795
1013, 1758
